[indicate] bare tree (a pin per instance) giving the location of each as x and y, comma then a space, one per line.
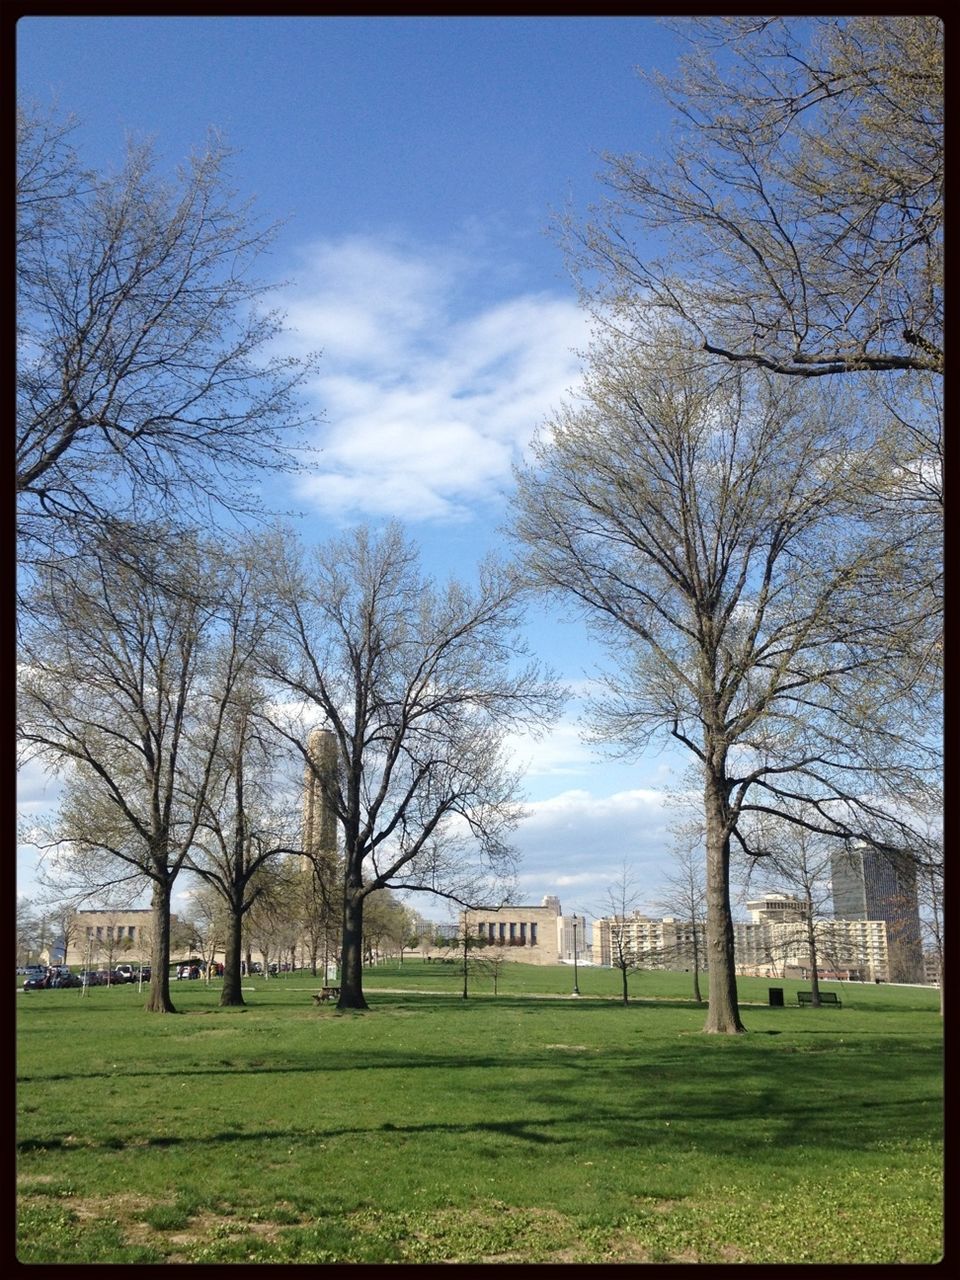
271, 921
622, 902
28, 931
709, 523
492, 963
145, 372
127, 672
241, 827
418, 684
787, 855
684, 895
930, 893
801, 197
471, 949
206, 924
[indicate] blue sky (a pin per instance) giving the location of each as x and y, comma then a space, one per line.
416, 164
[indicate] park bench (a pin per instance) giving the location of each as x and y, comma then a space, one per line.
826, 997
325, 994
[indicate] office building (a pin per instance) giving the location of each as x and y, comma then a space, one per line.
872, 885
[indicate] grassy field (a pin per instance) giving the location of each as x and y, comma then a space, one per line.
517, 1128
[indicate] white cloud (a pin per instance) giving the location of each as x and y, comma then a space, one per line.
560, 752
38, 789
578, 841
428, 396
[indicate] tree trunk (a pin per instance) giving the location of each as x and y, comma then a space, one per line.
623, 979
232, 993
723, 1017
696, 967
158, 997
812, 955
351, 956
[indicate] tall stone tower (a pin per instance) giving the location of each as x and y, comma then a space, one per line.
319, 819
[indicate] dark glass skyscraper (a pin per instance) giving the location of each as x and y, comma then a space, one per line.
870, 885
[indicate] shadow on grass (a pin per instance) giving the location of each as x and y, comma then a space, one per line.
802, 1126
760, 1096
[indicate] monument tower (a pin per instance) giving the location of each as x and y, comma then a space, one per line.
319, 819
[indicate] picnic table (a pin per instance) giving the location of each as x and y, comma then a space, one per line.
325, 994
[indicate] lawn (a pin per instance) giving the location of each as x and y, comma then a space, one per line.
515, 1128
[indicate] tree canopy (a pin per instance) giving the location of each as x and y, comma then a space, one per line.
801, 196
147, 375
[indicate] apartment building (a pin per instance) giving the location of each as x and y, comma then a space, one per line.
773, 943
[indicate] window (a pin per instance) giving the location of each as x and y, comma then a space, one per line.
513, 931
480, 928
490, 931
533, 933
523, 930
503, 931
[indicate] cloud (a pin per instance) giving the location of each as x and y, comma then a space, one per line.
429, 388
579, 841
38, 789
560, 752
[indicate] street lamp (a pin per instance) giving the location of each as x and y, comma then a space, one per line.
576, 989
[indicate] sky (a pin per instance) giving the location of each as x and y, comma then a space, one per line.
416, 165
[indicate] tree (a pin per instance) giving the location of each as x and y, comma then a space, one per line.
491, 963
239, 829
271, 920
386, 925
708, 522
28, 931
64, 926
684, 895
622, 901
319, 907
802, 195
790, 856
418, 684
930, 893
128, 669
145, 374
206, 926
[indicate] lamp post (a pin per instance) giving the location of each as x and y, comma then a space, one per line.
576, 989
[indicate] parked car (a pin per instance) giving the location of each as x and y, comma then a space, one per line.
39, 982
125, 973
60, 975
32, 970
89, 978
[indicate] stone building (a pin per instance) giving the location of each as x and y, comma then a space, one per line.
105, 938
541, 935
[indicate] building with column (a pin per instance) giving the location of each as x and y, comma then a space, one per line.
105, 938
540, 935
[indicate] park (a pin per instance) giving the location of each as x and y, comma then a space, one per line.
377, 581
529, 1127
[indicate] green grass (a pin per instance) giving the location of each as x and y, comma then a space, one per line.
518, 1128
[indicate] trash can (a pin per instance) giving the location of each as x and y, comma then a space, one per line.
776, 997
